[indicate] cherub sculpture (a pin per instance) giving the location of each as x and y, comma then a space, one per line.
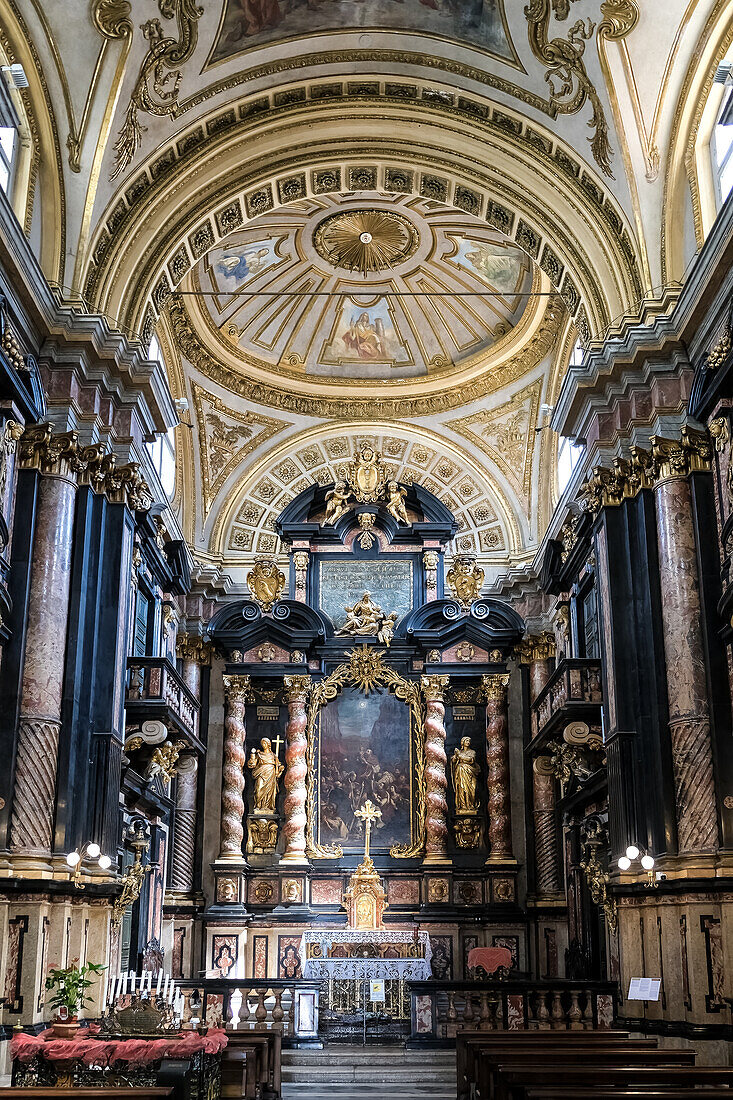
337, 502
396, 503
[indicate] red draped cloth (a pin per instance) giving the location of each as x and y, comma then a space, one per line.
93, 1051
489, 958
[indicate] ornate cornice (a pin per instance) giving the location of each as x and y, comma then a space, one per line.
368, 407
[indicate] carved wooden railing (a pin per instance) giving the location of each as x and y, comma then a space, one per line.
241, 1004
153, 685
441, 1009
573, 689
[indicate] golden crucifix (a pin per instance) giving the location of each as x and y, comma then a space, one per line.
368, 813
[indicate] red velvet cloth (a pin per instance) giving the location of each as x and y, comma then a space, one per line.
90, 1050
490, 958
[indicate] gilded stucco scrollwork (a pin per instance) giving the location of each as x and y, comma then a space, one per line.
567, 77
156, 89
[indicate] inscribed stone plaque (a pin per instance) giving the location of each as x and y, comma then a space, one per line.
345, 581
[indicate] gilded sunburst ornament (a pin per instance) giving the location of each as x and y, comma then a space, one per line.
366, 240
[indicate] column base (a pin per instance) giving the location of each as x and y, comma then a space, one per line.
504, 861
294, 861
437, 861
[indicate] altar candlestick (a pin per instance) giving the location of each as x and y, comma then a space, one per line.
160, 979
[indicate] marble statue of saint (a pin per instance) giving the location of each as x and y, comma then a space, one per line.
396, 503
337, 502
465, 773
266, 770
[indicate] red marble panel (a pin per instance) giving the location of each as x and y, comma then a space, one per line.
327, 891
403, 891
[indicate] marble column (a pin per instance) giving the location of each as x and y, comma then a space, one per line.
436, 783
193, 652
689, 715
297, 689
34, 794
497, 765
236, 691
537, 653
183, 853
547, 867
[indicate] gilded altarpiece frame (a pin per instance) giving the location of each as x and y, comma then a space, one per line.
367, 672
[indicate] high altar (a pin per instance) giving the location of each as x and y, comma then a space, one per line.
388, 688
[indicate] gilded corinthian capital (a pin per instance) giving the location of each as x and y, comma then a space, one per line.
236, 688
434, 687
297, 688
57, 454
494, 687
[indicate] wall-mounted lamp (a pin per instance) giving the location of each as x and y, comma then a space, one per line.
89, 852
647, 862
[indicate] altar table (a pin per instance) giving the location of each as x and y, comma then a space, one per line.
355, 954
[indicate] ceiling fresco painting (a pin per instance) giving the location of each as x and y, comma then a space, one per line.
434, 288
246, 24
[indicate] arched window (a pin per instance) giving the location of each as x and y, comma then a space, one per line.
12, 77
163, 450
568, 456
721, 143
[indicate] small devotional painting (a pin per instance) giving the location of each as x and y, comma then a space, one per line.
364, 754
249, 23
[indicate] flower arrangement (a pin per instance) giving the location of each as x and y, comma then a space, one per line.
69, 985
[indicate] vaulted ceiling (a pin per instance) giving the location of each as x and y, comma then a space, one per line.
528, 174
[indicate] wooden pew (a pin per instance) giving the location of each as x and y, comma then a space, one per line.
252, 1064
470, 1046
513, 1082
562, 1092
495, 1068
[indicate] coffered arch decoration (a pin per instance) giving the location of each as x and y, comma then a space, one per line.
491, 523
244, 162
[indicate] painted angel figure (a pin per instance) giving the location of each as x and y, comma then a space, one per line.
337, 502
396, 503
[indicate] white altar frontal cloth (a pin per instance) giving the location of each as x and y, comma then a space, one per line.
369, 954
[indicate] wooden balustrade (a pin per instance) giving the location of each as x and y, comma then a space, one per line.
155, 690
439, 1010
573, 689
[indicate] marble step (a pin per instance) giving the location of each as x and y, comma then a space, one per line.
371, 1092
367, 1056
376, 1073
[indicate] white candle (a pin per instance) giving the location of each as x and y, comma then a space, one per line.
160, 979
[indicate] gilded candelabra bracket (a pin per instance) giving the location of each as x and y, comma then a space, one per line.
132, 882
366, 671
595, 875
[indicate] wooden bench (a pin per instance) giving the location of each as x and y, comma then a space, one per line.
252, 1065
514, 1082
496, 1068
474, 1047
672, 1093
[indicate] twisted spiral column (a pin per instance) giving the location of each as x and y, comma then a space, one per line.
436, 784
183, 852
236, 689
547, 871
497, 767
297, 689
684, 648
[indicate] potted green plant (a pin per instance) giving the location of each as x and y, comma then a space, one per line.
68, 986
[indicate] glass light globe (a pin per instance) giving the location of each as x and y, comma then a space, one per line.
73, 858
93, 850
647, 862
632, 851
624, 863
104, 862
